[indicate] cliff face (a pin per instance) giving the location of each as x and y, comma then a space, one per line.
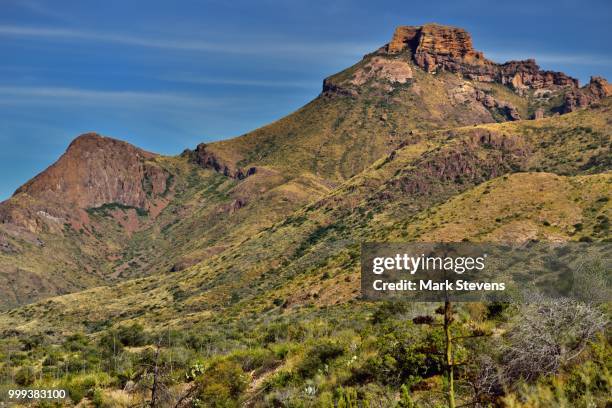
435, 48
96, 170
597, 89
208, 160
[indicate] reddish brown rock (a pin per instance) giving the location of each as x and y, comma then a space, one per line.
489, 102
538, 114
595, 90
96, 170
208, 160
599, 87
527, 74
436, 47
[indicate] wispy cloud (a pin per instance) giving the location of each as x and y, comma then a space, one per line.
44, 95
238, 46
263, 83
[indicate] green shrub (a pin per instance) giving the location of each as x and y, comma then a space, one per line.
318, 356
25, 376
221, 385
389, 310
405, 399
255, 358
283, 332
76, 342
404, 354
97, 399
132, 336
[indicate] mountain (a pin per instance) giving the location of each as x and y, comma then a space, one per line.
431, 188
246, 251
106, 210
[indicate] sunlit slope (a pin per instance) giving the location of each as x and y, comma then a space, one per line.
491, 182
168, 213
336, 136
205, 213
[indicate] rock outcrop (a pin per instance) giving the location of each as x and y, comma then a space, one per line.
436, 47
483, 156
505, 108
394, 71
596, 89
96, 170
208, 160
538, 114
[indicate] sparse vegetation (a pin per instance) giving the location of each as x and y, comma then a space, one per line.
229, 293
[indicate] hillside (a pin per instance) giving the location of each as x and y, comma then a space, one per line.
303, 270
108, 211
446, 185
234, 267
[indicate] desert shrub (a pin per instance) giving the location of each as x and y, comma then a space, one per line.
221, 385
31, 342
389, 310
283, 332
255, 358
495, 310
346, 398
282, 350
25, 376
76, 342
76, 391
112, 342
74, 364
98, 400
318, 356
132, 335
406, 400
51, 359
546, 335
201, 341
404, 354
81, 386
109, 343
281, 379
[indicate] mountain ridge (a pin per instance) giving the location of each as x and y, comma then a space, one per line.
104, 195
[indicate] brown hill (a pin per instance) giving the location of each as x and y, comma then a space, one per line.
107, 211
94, 171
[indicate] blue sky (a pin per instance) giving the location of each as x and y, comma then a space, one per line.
166, 75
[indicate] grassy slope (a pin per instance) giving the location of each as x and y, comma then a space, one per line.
338, 136
310, 258
300, 158
274, 294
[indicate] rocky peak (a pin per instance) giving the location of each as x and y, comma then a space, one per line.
597, 89
435, 48
96, 170
434, 45
599, 86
